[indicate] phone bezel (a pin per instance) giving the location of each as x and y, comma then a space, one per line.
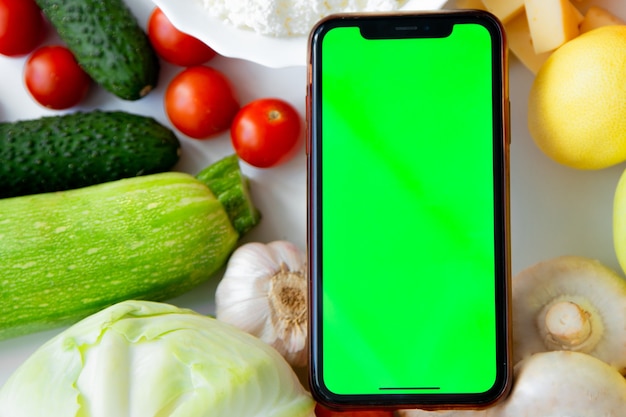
437, 21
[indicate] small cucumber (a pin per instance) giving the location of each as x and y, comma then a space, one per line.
69, 254
107, 42
76, 150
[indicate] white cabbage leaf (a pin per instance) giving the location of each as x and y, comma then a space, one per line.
149, 359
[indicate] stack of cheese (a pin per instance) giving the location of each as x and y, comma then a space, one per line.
535, 28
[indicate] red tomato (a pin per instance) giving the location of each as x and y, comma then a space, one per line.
266, 132
175, 46
22, 27
200, 102
54, 78
321, 411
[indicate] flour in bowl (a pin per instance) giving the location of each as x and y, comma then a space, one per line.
288, 17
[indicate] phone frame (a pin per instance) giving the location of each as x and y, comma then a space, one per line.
501, 142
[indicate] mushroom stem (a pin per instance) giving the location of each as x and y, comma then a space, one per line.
568, 324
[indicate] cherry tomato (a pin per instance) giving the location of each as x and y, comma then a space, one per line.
200, 102
266, 132
54, 78
175, 46
321, 411
22, 27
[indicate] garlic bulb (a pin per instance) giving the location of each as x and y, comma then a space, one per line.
264, 292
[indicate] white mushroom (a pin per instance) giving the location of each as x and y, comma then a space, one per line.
555, 384
564, 384
570, 303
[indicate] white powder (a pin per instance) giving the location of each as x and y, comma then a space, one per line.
288, 17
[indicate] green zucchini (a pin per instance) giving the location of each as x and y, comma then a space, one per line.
69, 254
231, 188
76, 150
107, 42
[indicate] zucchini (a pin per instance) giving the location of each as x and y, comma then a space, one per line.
107, 42
76, 150
230, 186
69, 254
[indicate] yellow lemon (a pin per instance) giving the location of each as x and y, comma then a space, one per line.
577, 103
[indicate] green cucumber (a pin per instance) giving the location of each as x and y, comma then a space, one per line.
107, 42
69, 254
76, 150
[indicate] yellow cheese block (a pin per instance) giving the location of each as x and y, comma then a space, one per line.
551, 23
521, 44
504, 10
577, 13
597, 17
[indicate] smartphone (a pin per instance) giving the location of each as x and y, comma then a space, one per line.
408, 210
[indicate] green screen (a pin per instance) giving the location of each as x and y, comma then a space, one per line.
407, 200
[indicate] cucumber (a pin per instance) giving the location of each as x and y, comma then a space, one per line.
76, 150
107, 42
69, 254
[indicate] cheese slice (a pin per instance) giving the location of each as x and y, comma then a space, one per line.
551, 23
521, 44
504, 10
597, 17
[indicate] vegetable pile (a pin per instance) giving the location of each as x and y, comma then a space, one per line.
96, 229
93, 225
103, 43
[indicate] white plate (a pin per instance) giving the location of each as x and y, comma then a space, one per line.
555, 210
190, 17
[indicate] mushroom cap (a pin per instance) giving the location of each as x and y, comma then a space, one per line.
596, 289
551, 384
564, 383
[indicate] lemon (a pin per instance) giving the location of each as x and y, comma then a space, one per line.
577, 103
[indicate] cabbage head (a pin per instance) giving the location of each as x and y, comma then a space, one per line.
149, 359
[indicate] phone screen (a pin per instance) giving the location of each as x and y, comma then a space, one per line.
408, 172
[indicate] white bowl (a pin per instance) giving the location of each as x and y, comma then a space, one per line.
190, 17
